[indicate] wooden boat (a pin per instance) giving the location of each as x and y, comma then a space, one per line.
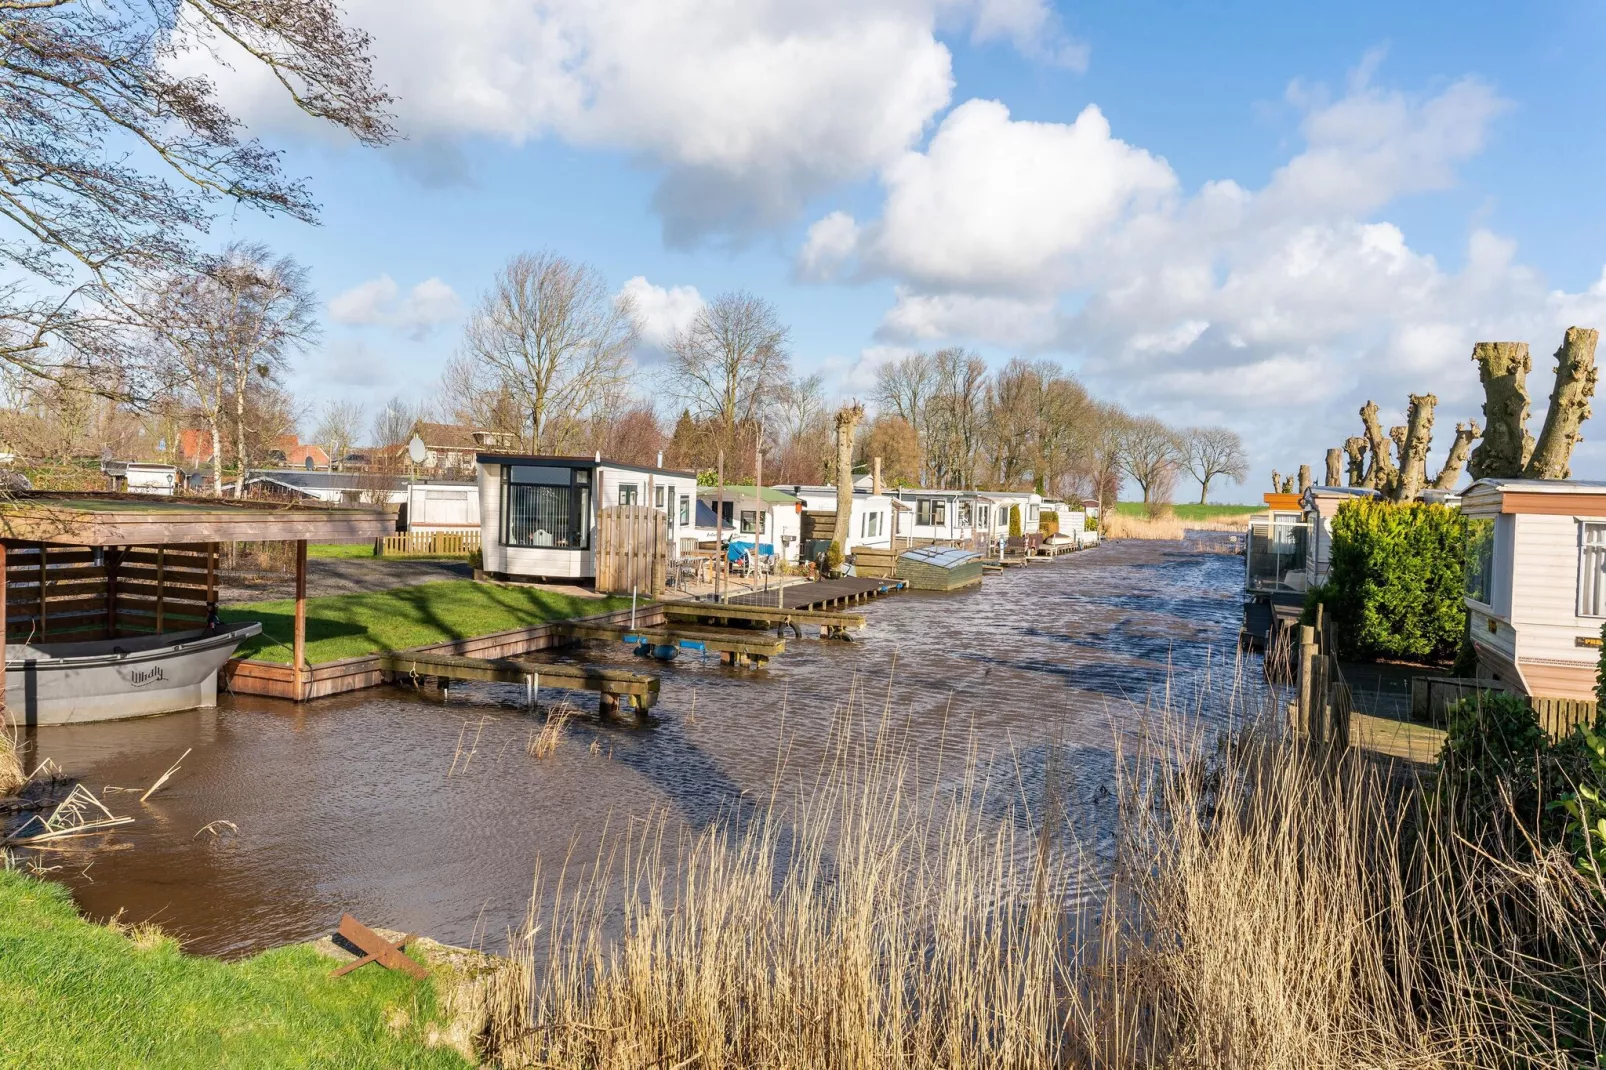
110, 679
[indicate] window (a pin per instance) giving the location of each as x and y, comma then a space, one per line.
939, 513
444, 507
685, 510
1592, 570
984, 516
1031, 517
964, 514
1478, 562
923, 511
658, 497
627, 494
546, 507
749, 519
870, 526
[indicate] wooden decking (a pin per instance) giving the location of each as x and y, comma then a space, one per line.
735, 645
638, 689
832, 624
822, 594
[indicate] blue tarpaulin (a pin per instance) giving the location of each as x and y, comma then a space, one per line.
735, 551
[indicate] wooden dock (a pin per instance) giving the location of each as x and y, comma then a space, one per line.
638, 690
735, 646
832, 624
823, 594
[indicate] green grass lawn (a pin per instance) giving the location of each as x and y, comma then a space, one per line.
340, 549
76, 994
350, 625
1191, 512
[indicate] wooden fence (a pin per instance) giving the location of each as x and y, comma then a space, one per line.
632, 549
68, 593
444, 543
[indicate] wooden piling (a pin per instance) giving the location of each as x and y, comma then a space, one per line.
299, 648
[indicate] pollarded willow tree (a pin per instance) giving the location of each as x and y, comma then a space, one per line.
112, 162
1396, 463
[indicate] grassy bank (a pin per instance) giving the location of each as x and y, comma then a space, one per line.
350, 625
350, 550
76, 994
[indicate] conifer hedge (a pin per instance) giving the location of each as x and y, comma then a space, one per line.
1394, 581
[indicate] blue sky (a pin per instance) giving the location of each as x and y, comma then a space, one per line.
1251, 214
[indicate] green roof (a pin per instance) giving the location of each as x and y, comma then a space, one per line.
745, 490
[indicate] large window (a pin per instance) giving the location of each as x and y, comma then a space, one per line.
1478, 563
546, 507
931, 512
1592, 570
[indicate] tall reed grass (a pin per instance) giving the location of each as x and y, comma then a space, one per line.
12, 776
1121, 526
1269, 904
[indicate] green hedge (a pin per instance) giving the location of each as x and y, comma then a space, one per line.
1394, 581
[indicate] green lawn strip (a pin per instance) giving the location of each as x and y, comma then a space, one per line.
351, 625
1191, 512
76, 994
340, 549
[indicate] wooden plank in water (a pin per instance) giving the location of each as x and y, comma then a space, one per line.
823, 593
696, 611
640, 688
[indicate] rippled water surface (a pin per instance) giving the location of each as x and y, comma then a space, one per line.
346, 803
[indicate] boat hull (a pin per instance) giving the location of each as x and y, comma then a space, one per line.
109, 680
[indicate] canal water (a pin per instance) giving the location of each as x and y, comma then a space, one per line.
429, 816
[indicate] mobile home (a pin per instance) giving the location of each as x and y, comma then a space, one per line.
772, 516
869, 519
442, 506
1536, 584
539, 514
1318, 507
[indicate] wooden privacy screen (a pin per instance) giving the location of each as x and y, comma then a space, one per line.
632, 549
67, 593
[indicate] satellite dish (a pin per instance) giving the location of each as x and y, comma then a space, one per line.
416, 450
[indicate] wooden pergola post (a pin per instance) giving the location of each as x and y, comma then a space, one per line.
300, 644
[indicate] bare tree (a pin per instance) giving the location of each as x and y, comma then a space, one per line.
1209, 453
904, 386
954, 417
1150, 454
339, 424
225, 329
85, 224
803, 431
730, 363
555, 341
395, 423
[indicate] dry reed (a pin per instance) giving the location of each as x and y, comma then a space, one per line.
1269, 905
544, 742
12, 776
1121, 526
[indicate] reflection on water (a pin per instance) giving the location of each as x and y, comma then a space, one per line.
346, 803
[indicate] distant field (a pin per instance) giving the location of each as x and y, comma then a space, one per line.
1191, 512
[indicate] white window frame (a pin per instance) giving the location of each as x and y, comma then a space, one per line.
628, 493
1591, 596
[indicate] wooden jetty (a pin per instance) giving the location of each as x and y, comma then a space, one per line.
742, 646
638, 690
822, 594
832, 624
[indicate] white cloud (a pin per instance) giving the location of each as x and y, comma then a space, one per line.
749, 108
830, 243
374, 303
662, 312
1277, 310
364, 304
998, 203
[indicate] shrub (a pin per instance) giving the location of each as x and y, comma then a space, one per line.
1048, 523
833, 558
1394, 586
1014, 522
1090, 523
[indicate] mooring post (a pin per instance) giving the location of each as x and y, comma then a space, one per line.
1305, 698
299, 646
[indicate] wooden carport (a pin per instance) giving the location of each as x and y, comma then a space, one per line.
97, 566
